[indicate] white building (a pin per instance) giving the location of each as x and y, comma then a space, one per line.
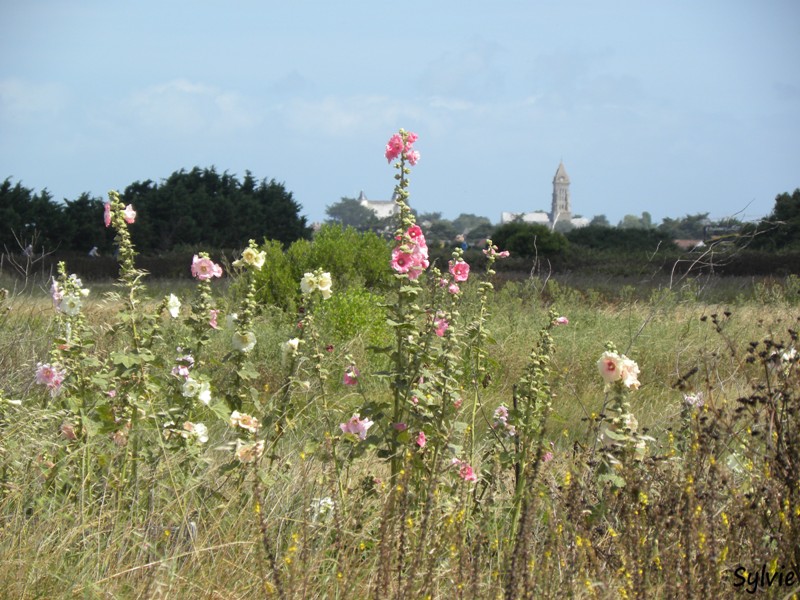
381, 208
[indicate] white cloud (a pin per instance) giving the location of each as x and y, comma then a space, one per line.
350, 115
26, 100
186, 107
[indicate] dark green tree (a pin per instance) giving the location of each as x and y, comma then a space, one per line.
29, 218
204, 208
781, 229
84, 227
690, 227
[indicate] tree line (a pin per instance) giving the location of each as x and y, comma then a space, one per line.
777, 231
189, 209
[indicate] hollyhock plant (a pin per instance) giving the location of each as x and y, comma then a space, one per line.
453, 288
562, 321
356, 426
460, 270
203, 268
421, 439
212, 320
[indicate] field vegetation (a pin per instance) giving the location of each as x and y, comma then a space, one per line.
308, 424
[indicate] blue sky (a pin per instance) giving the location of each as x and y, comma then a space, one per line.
672, 107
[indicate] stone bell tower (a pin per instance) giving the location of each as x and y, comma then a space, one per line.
561, 209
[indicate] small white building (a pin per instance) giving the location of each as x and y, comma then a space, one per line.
381, 208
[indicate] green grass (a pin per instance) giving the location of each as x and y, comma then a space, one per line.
104, 540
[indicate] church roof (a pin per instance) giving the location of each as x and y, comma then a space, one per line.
561, 172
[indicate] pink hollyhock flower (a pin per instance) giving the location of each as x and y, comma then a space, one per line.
460, 270
181, 371
107, 214
501, 415
454, 289
394, 147
441, 325
401, 261
411, 137
400, 426
694, 400
504, 254
421, 439
412, 156
608, 366
50, 376
357, 426
212, 321
204, 268
466, 473
56, 293
129, 214
562, 321
351, 374
415, 234
414, 400
465, 470
457, 402
547, 456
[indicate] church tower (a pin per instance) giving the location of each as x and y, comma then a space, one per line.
561, 209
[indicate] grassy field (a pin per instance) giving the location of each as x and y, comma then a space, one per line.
145, 514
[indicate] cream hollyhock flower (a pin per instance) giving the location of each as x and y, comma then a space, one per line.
248, 453
308, 283
614, 367
251, 258
244, 341
196, 430
204, 393
190, 388
324, 283
173, 306
629, 373
70, 304
289, 348
245, 421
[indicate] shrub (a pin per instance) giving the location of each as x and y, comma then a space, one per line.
524, 239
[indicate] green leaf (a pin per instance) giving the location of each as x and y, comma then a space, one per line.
221, 410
